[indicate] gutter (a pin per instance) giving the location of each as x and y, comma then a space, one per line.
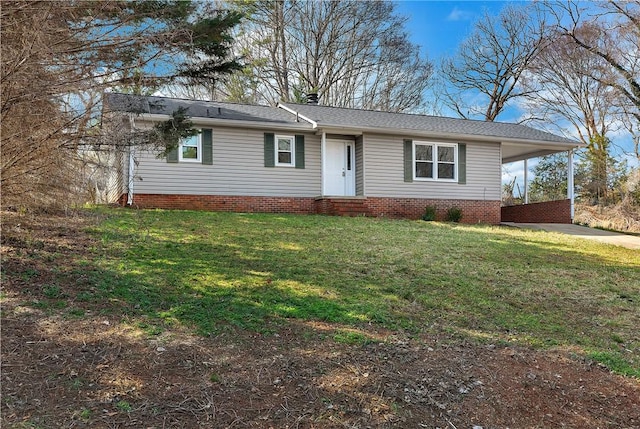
449, 136
155, 117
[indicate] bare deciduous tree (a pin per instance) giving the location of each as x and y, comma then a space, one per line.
353, 53
564, 85
487, 67
566, 91
617, 43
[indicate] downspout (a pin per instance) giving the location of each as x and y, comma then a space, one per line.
131, 167
131, 173
570, 190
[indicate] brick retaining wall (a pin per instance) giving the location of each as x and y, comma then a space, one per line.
547, 212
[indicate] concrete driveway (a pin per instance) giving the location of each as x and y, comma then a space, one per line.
615, 238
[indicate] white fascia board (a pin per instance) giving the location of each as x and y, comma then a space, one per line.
198, 121
298, 115
340, 130
535, 149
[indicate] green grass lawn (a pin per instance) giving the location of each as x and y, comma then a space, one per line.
210, 271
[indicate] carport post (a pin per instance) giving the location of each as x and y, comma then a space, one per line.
570, 192
526, 181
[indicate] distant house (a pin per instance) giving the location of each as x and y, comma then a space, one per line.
307, 158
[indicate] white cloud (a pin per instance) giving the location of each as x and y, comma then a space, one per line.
458, 14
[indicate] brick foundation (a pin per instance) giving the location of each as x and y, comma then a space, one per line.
473, 211
224, 203
547, 212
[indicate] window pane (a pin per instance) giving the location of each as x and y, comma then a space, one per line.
424, 169
445, 153
189, 152
424, 152
445, 171
284, 144
284, 157
190, 141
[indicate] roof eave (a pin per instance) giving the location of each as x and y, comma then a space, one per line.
329, 129
197, 120
534, 154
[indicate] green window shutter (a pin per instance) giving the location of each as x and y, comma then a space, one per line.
269, 150
462, 164
408, 160
299, 151
207, 146
172, 155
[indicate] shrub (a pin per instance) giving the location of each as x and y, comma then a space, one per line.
429, 213
454, 214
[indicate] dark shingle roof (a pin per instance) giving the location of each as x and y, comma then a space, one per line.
326, 116
196, 109
332, 117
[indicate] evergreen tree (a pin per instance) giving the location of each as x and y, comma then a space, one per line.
59, 56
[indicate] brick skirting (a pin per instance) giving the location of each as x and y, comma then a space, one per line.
226, 203
473, 211
547, 212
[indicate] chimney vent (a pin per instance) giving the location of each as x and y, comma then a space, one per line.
312, 98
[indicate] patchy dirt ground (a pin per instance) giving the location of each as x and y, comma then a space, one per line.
96, 369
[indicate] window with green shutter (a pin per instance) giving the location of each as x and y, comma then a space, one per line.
190, 149
462, 164
283, 150
299, 151
172, 155
408, 161
435, 161
196, 149
269, 150
207, 146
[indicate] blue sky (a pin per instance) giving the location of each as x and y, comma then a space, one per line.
439, 26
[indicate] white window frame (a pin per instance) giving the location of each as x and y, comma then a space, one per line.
198, 148
435, 146
292, 140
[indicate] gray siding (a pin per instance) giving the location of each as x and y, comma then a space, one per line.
238, 169
383, 158
359, 166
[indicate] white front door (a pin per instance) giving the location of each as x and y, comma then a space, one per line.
339, 173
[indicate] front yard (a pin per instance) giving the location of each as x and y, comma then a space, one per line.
152, 318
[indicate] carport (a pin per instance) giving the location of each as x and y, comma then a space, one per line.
560, 211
